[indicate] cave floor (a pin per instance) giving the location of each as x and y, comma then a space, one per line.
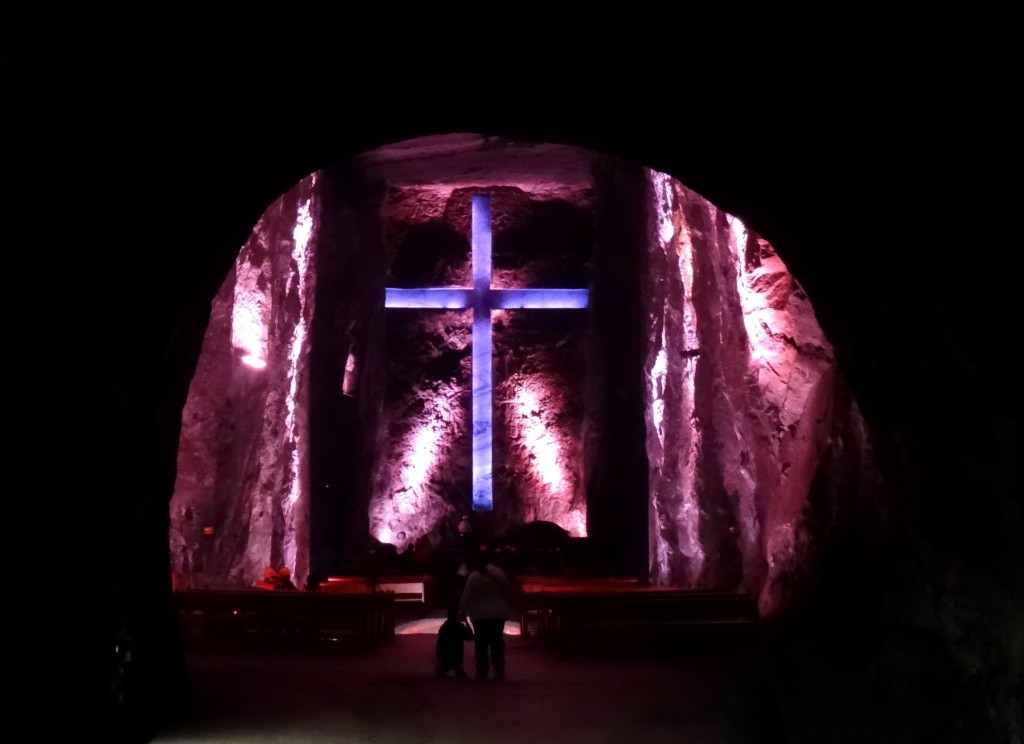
587, 693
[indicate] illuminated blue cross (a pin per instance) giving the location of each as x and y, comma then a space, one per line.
482, 298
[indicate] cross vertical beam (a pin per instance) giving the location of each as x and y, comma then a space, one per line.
482, 376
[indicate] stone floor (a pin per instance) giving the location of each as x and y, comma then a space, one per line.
391, 695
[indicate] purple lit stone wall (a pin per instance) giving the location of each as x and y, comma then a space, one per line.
240, 500
692, 422
347, 368
754, 445
539, 362
422, 476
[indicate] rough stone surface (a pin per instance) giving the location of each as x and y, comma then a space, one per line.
694, 413
423, 472
240, 501
744, 401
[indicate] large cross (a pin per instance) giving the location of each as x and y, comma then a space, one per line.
483, 298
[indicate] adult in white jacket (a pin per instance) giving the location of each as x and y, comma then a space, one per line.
485, 600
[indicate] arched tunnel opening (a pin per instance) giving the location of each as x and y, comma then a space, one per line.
691, 423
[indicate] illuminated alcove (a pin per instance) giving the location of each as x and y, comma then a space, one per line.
690, 423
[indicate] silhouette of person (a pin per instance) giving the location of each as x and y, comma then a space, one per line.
451, 640
485, 601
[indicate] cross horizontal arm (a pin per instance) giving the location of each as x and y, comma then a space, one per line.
511, 299
441, 298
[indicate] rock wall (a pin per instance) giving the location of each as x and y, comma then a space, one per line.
692, 422
240, 501
422, 474
347, 368
746, 409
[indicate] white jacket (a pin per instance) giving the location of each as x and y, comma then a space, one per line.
485, 597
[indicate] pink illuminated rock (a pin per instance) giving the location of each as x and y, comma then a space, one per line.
694, 415
421, 477
240, 501
744, 404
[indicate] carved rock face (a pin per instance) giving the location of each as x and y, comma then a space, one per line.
692, 420
424, 475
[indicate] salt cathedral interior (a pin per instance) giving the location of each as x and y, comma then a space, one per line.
648, 375
727, 352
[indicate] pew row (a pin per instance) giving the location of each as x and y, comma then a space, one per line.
405, 587
557, 614
234, 616
534, 590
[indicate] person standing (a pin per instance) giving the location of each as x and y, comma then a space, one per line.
485, 600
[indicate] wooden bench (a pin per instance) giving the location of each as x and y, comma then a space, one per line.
532, 584
231, 616
642, 612
533, 591
406, 588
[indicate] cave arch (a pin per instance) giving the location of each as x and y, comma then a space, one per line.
712, 441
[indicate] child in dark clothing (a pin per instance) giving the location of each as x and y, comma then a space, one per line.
451, 639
